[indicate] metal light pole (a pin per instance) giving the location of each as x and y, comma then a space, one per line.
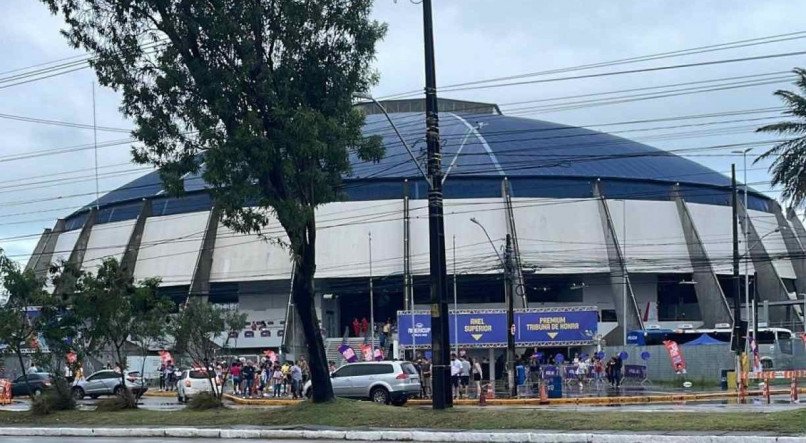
746, 233
455, 304
624, 273
506, 262
371, 300
440, 340
737, 313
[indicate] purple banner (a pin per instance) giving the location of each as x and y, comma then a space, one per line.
348, 353
570, 371
550, 371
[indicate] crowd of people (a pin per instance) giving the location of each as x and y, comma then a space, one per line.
267, 378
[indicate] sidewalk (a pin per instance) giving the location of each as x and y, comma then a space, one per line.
399, 435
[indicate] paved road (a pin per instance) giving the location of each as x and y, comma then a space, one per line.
127, 440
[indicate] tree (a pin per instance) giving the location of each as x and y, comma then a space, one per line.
113, 309
20, 316
196, 330
789, 164
255, 95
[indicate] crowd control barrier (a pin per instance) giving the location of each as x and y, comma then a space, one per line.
766, 377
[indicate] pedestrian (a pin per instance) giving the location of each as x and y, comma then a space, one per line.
465, 377
364, 326
456, 373
162, 376
356, 328
331, 366
235, 372
476, 372
610, 369
426, 380
582, 372
619, 364
306, 370
286, 370
277, 379
248, 376
296, 381
169, 375
598, 372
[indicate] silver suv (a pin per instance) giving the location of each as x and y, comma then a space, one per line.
107, 382
382, 382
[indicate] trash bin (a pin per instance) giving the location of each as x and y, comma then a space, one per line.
723, 379
520, 375
554, 387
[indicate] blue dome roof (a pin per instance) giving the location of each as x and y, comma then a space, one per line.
539, 158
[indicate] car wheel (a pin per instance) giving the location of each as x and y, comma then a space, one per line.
78, 393
380, 395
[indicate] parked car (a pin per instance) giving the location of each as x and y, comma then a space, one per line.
106, 382
39, 381
194, 381
382, 382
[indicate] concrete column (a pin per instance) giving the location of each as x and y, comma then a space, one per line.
769, 283
714, 307
200, 284
129, 260
619, 276
79, 250
519, 286
41, 259
492, 367
794, 249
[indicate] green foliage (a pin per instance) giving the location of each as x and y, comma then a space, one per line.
18, 330
789, 156
198, 327
124, 401
259, 92
111, 310
204, 401
56, 398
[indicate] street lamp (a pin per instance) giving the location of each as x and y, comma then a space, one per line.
509, 297
744, 152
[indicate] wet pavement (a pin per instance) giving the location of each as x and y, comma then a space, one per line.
146, 402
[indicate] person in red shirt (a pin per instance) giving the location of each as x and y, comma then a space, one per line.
356, 328
364, 326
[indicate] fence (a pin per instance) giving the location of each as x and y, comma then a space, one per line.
702, 362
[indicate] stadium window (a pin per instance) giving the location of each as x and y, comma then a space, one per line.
609, 315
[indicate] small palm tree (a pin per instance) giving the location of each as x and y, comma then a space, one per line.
789, 167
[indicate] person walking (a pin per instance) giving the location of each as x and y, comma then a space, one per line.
476, 373
277, 379
456, 373
582, 372
426, 380
235, 372
618, 366
248, 376
296, 381
465, 376
162, 376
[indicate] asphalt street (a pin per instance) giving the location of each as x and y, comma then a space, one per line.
126, 440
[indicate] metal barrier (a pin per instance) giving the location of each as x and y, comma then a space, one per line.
766, 377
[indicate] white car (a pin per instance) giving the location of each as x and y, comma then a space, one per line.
194, 381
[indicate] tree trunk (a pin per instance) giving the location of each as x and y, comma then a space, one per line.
303, 297
18, 351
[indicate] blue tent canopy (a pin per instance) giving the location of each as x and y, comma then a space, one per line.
704, 339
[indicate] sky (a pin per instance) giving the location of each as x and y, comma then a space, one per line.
475, 40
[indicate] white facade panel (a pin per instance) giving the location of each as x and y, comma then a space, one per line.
559, 236
64, 245
247, 257
714, 225
343, 231
107, 240
653, 239
170, 247
767, 228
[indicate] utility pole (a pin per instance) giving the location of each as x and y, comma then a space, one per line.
440, 340
371, 300
737, 299
455, 303
510, 296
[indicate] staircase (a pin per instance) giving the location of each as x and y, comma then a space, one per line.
332, 348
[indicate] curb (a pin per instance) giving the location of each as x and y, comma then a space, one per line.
401, 435
608, 401
261, 401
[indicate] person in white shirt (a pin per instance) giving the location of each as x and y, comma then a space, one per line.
456, 372
582, 372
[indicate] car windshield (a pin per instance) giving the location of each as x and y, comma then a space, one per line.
409, 368
199, 373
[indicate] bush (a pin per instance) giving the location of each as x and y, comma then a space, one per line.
204, 401
56, 398
120, 402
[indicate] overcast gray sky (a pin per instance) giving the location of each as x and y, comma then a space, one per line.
475, 39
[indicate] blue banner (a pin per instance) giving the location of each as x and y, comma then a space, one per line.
488, 328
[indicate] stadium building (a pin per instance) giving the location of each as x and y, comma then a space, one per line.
597, 220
